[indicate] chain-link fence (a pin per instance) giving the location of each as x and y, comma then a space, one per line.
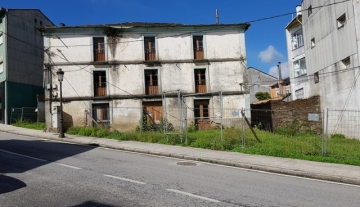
332, 133
24, 114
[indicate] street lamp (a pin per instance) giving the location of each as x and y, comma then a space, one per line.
60, 75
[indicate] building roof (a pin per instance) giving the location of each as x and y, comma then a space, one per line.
149, 24
3, 11
249, 68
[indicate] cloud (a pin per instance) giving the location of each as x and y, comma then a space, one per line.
284, 71
270, 55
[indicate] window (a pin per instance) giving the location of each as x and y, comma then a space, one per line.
99, 83
99, 49
299, 93
316, 77
41, 23
299, 67
150, 49
1, 67
201, 114
200, 80
101, 114
345, 63
151, 82
35, 20
297, 39
341, 21
198, 47
309, 11
312, 42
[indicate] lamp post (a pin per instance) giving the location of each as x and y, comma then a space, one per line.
60, 75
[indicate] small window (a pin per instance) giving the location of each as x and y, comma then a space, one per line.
99, 49
312, 42
200, 80
35, 20
316, 77
150, 48
198, 47
345, 63
151, 82
309, 11
341, 21
40, 23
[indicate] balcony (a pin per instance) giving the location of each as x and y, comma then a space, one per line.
150, 55
200, 86
99, 55
199, 53
152, 90
100, 89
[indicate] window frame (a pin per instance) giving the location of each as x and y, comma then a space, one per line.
152, 84
300, 69
203, 45
341, 21
93, 48
106, 82
298, 36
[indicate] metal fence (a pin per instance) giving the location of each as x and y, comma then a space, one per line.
333, 133
24, 114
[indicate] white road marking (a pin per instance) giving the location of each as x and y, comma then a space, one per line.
193, 195
34, 158
69, 166
125, 179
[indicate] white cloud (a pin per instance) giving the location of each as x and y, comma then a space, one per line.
270, 55
284, 71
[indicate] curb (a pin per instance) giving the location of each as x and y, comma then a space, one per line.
297, 173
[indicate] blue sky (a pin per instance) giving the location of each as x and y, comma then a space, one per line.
265, 40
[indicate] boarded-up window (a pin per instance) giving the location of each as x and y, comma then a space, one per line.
201, 114
153, 111
101, 113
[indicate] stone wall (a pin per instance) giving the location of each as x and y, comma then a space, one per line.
273, 115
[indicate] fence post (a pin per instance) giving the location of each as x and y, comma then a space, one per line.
327, 131
323, 132
22, 114
243, 131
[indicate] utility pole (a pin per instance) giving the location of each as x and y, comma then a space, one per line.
280, 79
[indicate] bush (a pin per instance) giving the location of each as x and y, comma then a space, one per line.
262, 95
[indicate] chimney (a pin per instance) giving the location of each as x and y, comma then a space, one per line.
217, 16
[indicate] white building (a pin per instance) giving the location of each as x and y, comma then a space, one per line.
112, 72
331, 44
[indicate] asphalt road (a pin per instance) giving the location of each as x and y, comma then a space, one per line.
35, 172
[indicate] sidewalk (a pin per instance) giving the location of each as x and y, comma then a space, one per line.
324, 171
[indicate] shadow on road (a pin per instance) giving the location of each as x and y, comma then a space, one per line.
9, 184
18, 156
93, 204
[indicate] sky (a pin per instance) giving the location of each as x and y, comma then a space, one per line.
265, 39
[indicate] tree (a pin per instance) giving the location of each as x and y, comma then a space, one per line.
262, 95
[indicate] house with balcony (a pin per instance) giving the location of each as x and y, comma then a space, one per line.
21, 60
300, 80
117, 74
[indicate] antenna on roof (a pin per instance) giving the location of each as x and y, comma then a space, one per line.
217, 16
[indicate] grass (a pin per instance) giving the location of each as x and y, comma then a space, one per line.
30, 125
305, 146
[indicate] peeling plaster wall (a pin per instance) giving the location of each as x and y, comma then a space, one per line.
127, 80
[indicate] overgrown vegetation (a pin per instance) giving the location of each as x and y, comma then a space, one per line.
29, 124
287, 142
262, 95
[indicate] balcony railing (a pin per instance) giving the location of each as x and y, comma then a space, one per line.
100, 90
99, 55
199, 53
200, 86
150, 54
152, 90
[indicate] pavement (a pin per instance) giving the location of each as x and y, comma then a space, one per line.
317, 170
